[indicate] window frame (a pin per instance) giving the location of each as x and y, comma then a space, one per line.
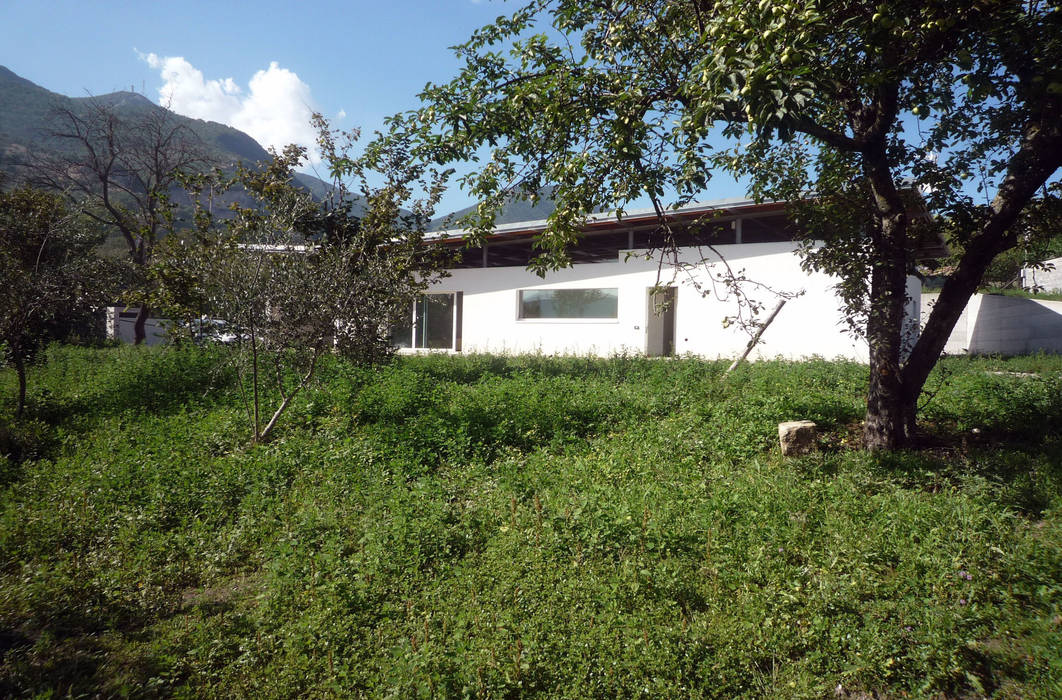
456, 320
520, 318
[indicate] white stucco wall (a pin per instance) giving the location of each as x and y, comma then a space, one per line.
808, 325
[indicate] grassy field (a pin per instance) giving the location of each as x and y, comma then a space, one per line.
509, 527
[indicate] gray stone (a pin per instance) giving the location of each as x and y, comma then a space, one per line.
797, 437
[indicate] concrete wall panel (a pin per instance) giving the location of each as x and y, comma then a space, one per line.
997, 324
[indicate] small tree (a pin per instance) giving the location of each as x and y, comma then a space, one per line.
47, 270
121, 165
293, 279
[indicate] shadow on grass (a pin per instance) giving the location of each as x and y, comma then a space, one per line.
127, 654
155, 382
1002, 434
116, 664
1022, 474
159, 381
58, 669
22, 440
63, 656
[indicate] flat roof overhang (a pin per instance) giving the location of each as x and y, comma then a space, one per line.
723, 210
640, 219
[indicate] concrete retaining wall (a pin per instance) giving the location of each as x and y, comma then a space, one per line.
996, 324
1044, 280
121, 320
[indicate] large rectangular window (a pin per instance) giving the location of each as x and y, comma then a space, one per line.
434, 323
569, 303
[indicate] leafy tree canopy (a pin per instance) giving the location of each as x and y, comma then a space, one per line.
48, 273
853, 106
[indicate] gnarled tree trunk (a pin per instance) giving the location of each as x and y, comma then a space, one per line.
1037, 160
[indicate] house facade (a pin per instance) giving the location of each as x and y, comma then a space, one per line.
621, 296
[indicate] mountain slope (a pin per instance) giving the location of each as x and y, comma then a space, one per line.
514, 210
27, 110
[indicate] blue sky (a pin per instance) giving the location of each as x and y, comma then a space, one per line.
258, 66
368, 58
354, 61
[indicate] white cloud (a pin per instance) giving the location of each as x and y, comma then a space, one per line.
275, 109
341, 115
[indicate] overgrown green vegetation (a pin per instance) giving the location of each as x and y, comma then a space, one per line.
483, 526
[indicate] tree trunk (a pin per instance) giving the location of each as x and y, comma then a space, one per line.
20, 370
951, 302
1036, 161
886, 424
140, 256
254, 382
139, 333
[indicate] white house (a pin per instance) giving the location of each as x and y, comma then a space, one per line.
609, 301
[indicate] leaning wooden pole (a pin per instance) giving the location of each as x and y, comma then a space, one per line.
755, 338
